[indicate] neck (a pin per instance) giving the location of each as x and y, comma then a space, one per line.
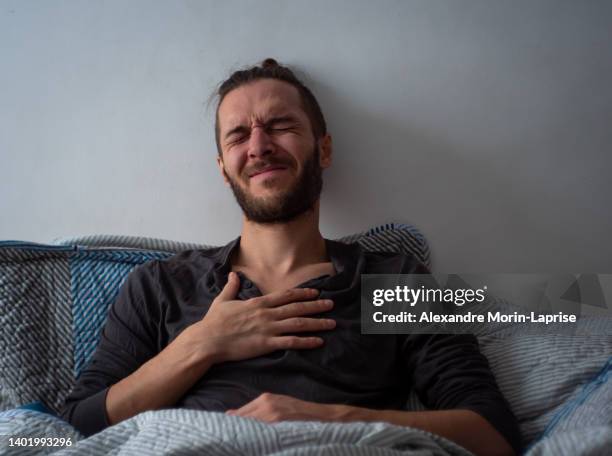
282, 248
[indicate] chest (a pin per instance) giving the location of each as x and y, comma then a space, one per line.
269, 283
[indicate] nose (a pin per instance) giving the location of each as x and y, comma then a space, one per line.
260, 143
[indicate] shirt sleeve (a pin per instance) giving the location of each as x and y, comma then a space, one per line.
128, 340
448, 371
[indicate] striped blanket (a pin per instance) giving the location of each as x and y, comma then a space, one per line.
192, 432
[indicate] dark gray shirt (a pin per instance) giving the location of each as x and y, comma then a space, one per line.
162, 297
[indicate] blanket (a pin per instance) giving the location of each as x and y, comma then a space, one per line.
186, 432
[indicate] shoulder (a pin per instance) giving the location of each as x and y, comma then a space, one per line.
187, 264
382, 261
195, 259
386, 262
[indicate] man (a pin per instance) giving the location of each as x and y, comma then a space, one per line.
268, 326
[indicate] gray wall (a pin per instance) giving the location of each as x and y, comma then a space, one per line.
485, 123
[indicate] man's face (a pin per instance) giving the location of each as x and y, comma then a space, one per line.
270, 157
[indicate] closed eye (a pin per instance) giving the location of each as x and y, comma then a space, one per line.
243, 137
239, 139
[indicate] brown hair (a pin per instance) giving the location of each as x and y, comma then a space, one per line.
271, 69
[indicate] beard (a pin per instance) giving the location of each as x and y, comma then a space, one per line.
288, 205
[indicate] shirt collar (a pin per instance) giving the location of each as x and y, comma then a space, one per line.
348, 261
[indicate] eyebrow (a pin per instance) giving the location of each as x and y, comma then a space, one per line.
273, 120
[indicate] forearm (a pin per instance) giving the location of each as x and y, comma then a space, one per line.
464, 427
158, 383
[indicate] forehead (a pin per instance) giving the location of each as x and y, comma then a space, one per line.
257, 100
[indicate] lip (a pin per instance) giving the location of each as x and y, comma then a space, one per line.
268, 171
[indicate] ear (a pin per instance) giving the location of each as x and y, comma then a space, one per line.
222, 169
325, 151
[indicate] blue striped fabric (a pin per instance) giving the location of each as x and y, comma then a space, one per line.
96, 279
586, 404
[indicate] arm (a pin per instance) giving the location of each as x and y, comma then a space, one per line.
127, 375
130, 373
127, 341
231, 330
464, 427
158, 383
467, 428
448, 372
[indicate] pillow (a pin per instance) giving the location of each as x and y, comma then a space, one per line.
390, 237
589, 407
54, 300
540, 374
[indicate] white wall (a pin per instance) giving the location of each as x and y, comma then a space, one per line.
485, 123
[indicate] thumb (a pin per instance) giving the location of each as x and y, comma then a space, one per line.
231, 287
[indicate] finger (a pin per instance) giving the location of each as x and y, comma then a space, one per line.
298, 309
278, 298
245, 409
294, 342
256, 414
231, 287
302, 324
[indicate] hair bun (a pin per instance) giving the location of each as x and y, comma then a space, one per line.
269, 63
